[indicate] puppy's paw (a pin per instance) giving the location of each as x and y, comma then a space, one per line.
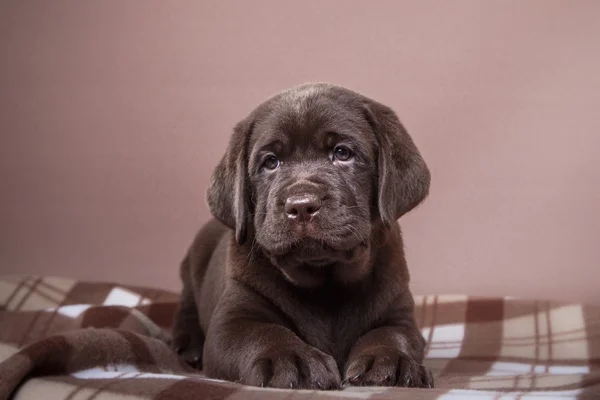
294, 368
190, 346
386, 367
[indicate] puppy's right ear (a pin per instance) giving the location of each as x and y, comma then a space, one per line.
228, 195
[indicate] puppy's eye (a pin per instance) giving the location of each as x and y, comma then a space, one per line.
271, 162
342, 153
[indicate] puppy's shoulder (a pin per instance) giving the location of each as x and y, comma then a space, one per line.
204, 245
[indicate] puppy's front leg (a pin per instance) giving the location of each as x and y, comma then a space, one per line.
249, 341
390, 355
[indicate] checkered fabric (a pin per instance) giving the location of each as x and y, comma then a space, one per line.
64, 339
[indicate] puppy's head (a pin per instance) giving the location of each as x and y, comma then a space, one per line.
311, 173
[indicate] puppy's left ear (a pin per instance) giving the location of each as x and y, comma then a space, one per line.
403, 175
228, 192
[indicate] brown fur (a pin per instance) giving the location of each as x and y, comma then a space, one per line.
274, 300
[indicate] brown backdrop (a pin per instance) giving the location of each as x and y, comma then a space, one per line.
112, 115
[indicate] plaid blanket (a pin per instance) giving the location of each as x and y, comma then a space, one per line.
64, 339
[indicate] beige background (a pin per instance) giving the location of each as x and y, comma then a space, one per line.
112, 115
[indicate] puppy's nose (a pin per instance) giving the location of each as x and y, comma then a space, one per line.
303, 207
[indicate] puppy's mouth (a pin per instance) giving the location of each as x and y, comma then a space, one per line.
319, 262
311, 253
308, 247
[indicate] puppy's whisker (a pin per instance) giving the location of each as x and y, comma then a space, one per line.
354, 232
250, 257
371, 236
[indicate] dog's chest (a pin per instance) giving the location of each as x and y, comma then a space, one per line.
333, 331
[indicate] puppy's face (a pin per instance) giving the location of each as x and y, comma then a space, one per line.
310, 173
313, 174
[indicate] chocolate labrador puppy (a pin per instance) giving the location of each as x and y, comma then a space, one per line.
301, 280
